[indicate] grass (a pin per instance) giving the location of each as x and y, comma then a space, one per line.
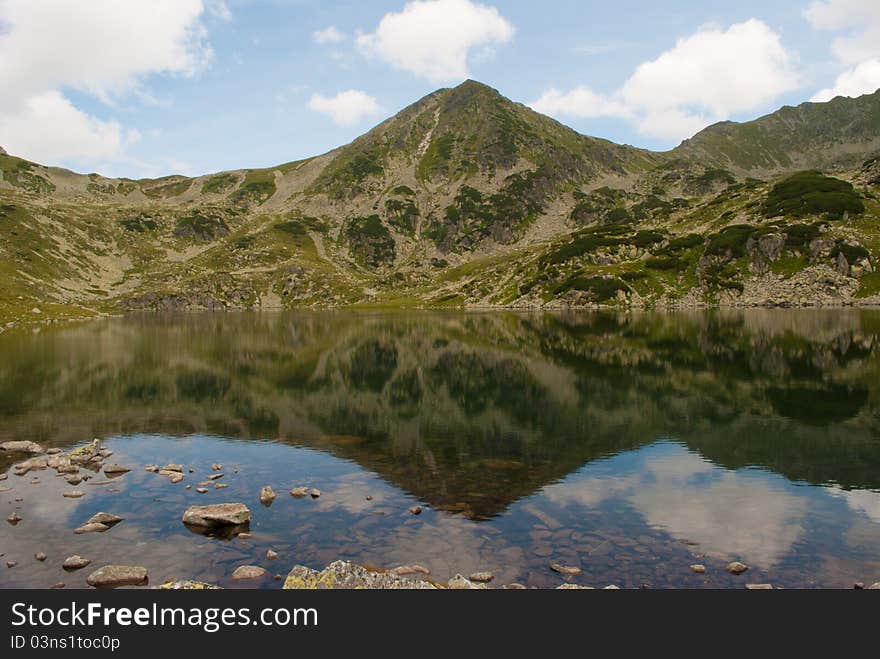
219, 184
257, 188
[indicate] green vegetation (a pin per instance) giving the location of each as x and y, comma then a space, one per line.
369, 241
812, 193
600, 289
257, 188
200, 225
139, 223
21, 174
402, 215
219, 184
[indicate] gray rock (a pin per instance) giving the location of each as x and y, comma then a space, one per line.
34, 464
74, 494
699, 569
315, 493
22, 447
248, 572
116, 470
75, 562
106, 519
91, 527
267, 496
219, 514
342, 575
271, 555
11, 564
73, 479
202, 490
115, 576
40, 556
152, 468
172, 467
736, 567
299, 492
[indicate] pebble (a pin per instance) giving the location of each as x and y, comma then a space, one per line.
216, 467
116, 469
248, 572
107, 519
271, 555
58, 586
3, 477
11, 564
565, 569
75, 562
14, 518
74, 494
220, 486
759, 586
152, 468
482, 577
416, 510
458, 582
736, 567
187, 487
172, 467
53, 451
519, 586
214, 477
369, 497
299, 492
245, 535
409, 569
315, 493
176, 478
859, 585
699, 569
267, 496
201, 490
91, 527
74, 479
40, 556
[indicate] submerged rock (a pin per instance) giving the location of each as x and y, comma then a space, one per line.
75, 562
271, 555
565, 569
91, 527
218, 514
699, 569
404, 570
299, 492
22, 447
74, 494
116, 470
482, 577
115, 576
416, 510
315, 493
736, 567
343, 575
248, 572
107, 519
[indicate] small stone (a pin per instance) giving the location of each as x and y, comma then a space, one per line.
519, 586
105, 452
91, 527
106, 519
267, 496
699, 569
53, 451
573, 586
40, 556
75, 563
248, 572
58, 586
874, 586
565, 569
369, 497
482, 577
245, 535
176, 478
409, 569
74, 494
271, 555
3, 477
11, 564
458, 582
116, 469
201, 490
759, 586
736, 567
220, 486
74, 479
14, 518
299, 492
859, 585
315, 493
172, 467
611, 587
416, 510
114, 576
214, 477
187, 487
152, 468
216, 467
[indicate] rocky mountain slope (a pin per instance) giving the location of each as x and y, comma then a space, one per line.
467, 199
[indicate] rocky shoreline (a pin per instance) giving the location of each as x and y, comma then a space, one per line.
87, 463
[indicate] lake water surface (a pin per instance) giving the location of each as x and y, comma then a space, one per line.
629, 445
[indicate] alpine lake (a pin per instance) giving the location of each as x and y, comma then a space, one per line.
629, 445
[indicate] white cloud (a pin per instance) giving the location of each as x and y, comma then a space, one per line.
433, 39
705, 77
347, 107
328, 35
104, 48
858, 48
862, 79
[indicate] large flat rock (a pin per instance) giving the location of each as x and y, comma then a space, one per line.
115, 576
219, 514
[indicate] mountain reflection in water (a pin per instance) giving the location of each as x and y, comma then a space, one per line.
614, 441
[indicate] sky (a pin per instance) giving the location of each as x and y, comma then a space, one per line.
146, 89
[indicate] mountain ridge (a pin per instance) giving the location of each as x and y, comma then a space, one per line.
463, 198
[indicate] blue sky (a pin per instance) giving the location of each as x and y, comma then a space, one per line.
193, 86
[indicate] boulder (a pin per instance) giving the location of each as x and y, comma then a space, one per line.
736, 567
267, 496
104, 518
91, 527
115, 576
219, 514
116, 470
75, 562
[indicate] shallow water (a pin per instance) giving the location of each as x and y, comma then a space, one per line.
628, 445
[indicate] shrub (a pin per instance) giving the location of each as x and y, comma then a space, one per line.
812, 193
